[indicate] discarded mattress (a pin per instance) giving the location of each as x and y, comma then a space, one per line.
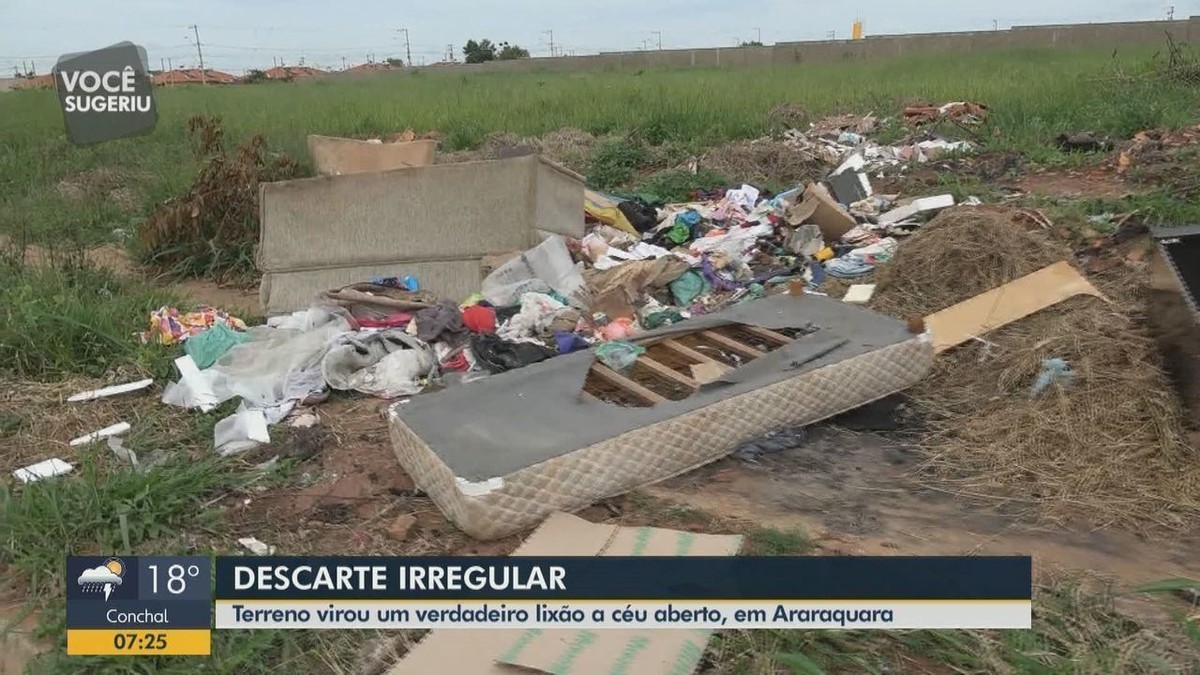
436, 223
500, 454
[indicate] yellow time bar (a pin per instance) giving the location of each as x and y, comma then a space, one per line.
108, 642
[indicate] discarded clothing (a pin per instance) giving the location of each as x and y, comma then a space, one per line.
569, 342
479, 319
537, 315
387, 363
618, 354
497, 355
206, 347
168, 326
397, 320
443, 321
847, 267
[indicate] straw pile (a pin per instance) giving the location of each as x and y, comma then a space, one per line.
1108, 446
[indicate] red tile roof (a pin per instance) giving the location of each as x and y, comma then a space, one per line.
373, 66
193, 76
36, 82
291, 72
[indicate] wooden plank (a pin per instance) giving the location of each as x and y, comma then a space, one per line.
668, 372
731, 344
587, 396
627, 385
689, 353
767, 334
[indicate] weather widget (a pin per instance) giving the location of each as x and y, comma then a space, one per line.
139, 605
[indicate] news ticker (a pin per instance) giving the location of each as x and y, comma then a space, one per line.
171, 605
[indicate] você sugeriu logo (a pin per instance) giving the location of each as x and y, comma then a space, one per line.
109, 91
106, 94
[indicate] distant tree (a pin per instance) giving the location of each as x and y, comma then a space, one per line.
254, 77
512, 52
479, 52
751, 43
395, 63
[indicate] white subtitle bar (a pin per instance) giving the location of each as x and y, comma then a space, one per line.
647, 614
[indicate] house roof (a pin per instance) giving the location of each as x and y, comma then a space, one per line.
371, 66
36, 82
291, 72
193, 76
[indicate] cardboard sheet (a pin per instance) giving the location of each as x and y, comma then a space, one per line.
339, 156
1005, 304
819, 207
576, 652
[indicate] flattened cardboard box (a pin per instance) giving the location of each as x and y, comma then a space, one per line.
576, 652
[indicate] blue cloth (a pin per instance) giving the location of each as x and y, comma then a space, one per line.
847, 266
569, 342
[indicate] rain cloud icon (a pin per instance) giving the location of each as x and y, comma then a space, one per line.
102, 578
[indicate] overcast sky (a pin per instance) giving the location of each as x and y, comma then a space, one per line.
241, 34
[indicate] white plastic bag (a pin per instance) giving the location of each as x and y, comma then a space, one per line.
547, 267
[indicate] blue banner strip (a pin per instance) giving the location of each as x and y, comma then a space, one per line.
626, 578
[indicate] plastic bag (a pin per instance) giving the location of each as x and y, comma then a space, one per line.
618, 354
547, 267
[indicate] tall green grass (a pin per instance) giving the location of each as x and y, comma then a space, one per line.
1033, 96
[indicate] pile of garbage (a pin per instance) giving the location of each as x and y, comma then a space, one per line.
639, 266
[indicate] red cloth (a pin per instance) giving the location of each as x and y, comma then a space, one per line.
399, 320
479, 319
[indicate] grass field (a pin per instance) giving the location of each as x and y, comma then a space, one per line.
63, 319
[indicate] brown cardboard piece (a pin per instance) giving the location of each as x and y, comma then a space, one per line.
819, 207
707, 372
1005, 304
576, 652
340, 156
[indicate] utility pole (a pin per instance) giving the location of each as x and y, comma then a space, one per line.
199, 54
1171, 13
758, 35
658, 34
343, 63
551, 34
407, 47
995, 25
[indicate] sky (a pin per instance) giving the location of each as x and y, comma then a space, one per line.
236, 35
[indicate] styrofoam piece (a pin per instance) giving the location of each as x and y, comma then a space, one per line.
114, 430
921, 205
859, 294
241, 431
110, 391
47, 468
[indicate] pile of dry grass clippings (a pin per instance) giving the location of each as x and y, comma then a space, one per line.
1107, 445
961, 253
764, 161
